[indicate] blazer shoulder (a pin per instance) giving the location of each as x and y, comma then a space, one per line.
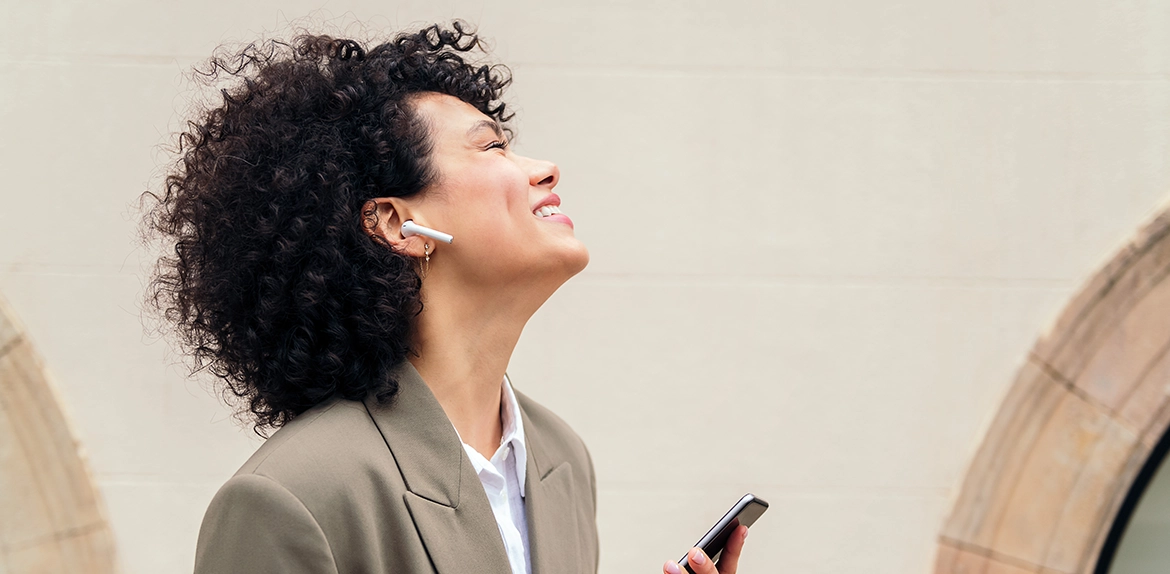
255, 525
331, 439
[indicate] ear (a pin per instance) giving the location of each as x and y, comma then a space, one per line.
382, 219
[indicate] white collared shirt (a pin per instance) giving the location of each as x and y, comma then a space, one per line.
503, 480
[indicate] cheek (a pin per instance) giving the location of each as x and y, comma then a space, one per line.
502, 198
491, 211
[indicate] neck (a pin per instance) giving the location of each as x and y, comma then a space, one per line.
463, 341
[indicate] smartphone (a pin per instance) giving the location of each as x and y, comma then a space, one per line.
745, 512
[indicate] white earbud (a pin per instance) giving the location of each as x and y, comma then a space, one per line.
409, 227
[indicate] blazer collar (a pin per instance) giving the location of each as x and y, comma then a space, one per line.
541, 458
554, 540
424, 443
444, 496
447, 501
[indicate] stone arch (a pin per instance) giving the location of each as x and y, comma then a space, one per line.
51, 518
1086, 410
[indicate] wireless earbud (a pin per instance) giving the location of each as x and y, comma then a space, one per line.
409, 227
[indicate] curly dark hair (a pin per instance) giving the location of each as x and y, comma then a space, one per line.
274, 285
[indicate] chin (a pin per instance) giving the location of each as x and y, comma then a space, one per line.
577, 261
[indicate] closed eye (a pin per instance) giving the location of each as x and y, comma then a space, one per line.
498, 144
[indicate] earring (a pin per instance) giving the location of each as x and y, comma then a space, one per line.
426, 264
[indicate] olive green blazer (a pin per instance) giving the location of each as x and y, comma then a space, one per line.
351, 487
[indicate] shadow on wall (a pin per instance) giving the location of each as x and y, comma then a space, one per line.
51, 519
1083, 416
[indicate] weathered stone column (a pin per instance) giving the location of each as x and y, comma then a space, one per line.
1085, 411
51, 519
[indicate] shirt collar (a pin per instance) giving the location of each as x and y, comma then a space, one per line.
513, 433
513, 425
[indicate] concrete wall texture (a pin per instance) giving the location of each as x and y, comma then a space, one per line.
824, 237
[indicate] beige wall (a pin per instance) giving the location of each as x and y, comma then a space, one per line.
908, 193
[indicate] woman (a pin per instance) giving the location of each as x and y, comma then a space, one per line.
378, 355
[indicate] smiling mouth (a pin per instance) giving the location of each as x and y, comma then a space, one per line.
546, 211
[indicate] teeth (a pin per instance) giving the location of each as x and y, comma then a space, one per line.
546, 211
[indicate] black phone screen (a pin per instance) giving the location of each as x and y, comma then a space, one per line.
745, 512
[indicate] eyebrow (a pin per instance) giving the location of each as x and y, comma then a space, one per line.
489, 124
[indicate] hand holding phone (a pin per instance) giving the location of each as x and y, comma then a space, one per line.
745, 512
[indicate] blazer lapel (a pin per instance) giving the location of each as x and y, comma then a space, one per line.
554, 542
444, 496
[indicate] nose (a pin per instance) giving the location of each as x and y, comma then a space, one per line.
543, 174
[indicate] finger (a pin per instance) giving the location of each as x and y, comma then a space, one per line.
671, 568
729, 560
699, 562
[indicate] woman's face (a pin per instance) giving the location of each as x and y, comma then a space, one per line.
490, 199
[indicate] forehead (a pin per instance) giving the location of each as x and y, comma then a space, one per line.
449, 117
